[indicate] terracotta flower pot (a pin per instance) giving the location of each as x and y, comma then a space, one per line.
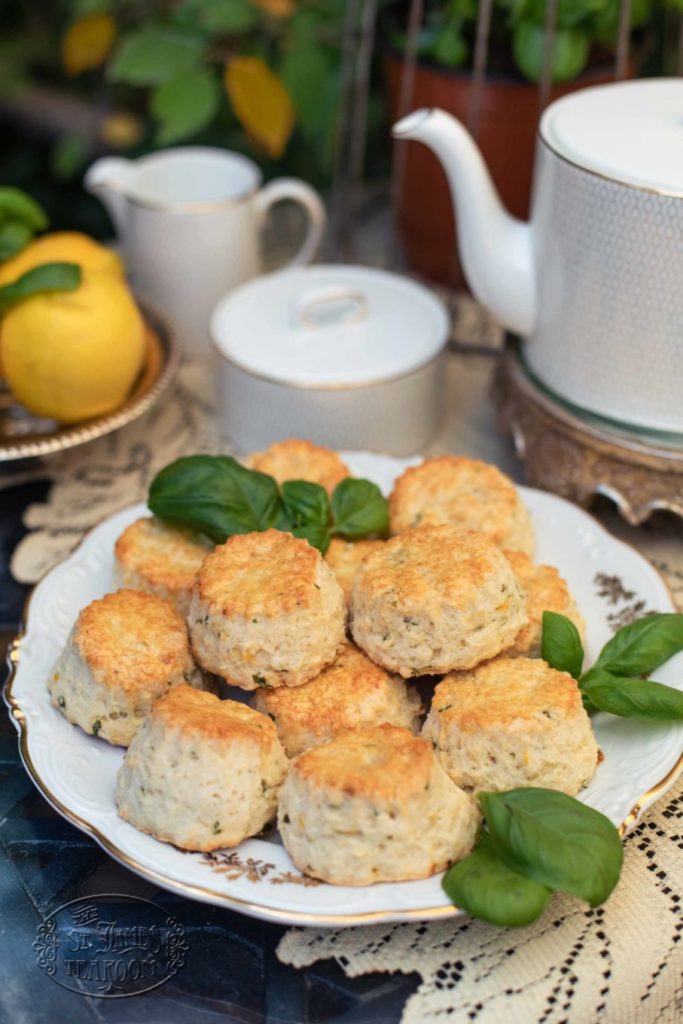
508, 118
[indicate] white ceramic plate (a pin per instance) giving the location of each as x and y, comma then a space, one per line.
76, 773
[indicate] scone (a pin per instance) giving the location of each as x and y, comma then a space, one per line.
266, 610
125, 651
512, 722
160, 559
344, 558
374, 805
201, 773
435, 599
463, 492
350, 692
300, 460
545, 591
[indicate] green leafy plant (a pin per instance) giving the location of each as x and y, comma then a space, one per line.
635, 650
536, 841
215, 495
518, 34
250, 72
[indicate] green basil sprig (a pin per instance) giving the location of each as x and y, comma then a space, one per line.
307, 512
48, 277
643, 645
561, 644
555, 840
487, 888
632, 698
359, 508
538, 841
215, 495
635, 650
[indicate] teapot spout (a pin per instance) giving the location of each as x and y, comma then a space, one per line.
109, 180
496, 248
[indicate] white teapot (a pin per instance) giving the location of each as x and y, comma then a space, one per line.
594, 281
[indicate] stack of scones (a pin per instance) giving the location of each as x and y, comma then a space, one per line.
368, 784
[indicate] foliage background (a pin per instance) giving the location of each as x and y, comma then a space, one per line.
269, 78
261, 77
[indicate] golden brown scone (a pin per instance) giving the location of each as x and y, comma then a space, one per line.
463, 492
160, 559
125, 651
300, 460
266, 610
345, 556
350, 692
373, 805
201, 773
434, 599
512, 722
545, 591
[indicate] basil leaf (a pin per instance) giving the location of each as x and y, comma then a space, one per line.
359, 508
643, 645
307, 509
561, 644
215, 495
632, 698
555, 840
49, 277
305, 501
588, 705
486, 887
18, 206
14, 236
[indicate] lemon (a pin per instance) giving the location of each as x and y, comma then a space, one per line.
61, 247
74, 355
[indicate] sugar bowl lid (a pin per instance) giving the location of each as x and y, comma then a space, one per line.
631, 132
330, 326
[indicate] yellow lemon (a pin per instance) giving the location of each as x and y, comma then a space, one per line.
61, 247
74, 355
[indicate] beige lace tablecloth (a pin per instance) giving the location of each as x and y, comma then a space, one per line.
620, 964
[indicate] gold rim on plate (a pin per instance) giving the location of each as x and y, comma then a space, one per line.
208, 895
161, 363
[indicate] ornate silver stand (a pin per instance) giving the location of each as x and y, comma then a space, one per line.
579, 456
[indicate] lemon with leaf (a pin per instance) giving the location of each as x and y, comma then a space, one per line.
71, 354
58, 247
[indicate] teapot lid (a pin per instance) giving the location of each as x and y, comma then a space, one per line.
330, 326
631, 132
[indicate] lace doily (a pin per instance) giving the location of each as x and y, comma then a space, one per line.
97, 479
619, 964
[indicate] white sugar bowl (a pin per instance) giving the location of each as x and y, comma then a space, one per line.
346, 356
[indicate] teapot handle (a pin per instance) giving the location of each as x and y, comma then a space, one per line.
292, 188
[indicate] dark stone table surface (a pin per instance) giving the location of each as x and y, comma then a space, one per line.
231, 972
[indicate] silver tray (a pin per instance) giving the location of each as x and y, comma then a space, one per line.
23, 436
